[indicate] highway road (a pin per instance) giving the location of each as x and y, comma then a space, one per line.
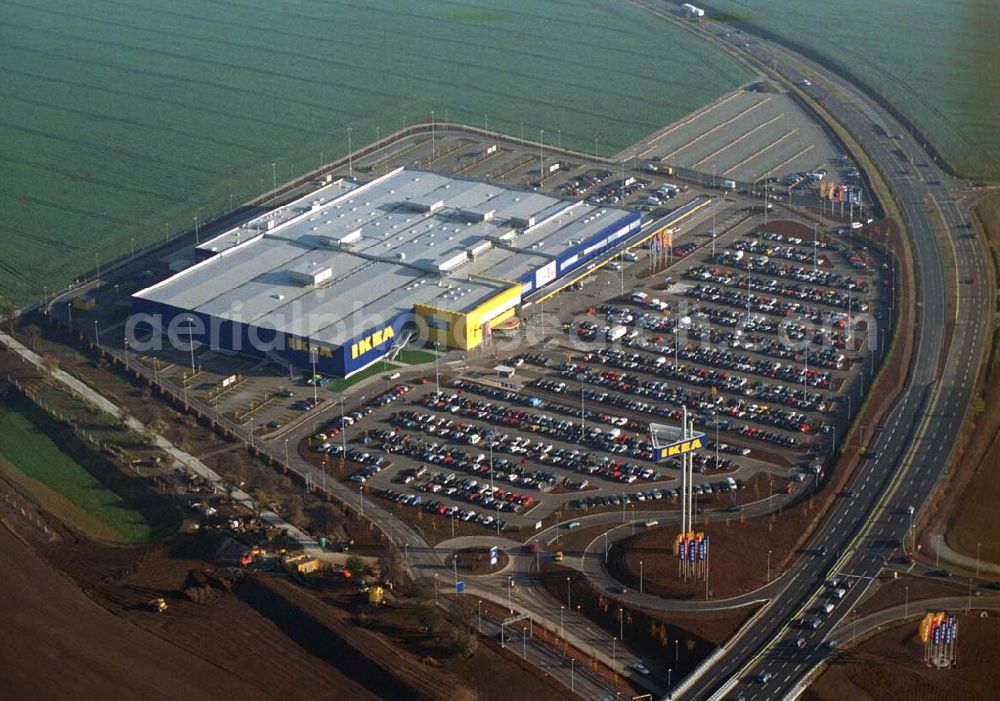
909, 454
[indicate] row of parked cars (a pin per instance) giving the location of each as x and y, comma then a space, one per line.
777, 246
817, 295
789, 271
478, 492
718, 356
624, 377
436, 507
579, 186
828, 357
719, 487
668, 394
612, 441
506, 471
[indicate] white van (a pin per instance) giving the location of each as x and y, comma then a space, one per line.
828, 607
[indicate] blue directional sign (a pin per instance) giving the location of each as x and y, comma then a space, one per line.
459, 587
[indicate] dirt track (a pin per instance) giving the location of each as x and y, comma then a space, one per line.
80, 608
58, 643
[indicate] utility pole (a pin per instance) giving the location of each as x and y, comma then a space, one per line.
541, 156
350, 154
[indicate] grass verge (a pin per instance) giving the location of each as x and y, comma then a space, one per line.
28, 449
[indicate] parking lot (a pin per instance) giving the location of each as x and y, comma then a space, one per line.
747, 135
754, 332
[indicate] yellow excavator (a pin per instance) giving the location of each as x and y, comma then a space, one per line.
158, 605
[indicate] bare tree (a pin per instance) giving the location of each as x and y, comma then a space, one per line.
8, 313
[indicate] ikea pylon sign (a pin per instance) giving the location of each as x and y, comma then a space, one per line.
679, 448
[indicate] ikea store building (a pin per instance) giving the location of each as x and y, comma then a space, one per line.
348, 273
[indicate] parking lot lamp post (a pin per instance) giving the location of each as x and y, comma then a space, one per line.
190, 321
569, 595
479, 608
717, 443
906, 603
312, 360
510, 588
805, 375
640, 576
815, 259
491, 466
437, 371
452, 524
561, 609
274, 179
541, 155
97, 334
286, 452
572, 675
768, 565
621, 623
362, 492
669, 674
614, 662
433, 142
498, 521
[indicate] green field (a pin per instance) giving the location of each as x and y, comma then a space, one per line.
25, 448
129, 118
935, 61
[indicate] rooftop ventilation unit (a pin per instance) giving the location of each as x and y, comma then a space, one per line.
522, 222
426, 206
311, 274
477, 215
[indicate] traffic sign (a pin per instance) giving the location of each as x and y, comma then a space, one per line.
459, 587
515, 619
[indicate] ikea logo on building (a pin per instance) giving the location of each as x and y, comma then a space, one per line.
304, 346
669, 451
371, 341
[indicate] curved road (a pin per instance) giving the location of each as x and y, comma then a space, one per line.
909, 455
